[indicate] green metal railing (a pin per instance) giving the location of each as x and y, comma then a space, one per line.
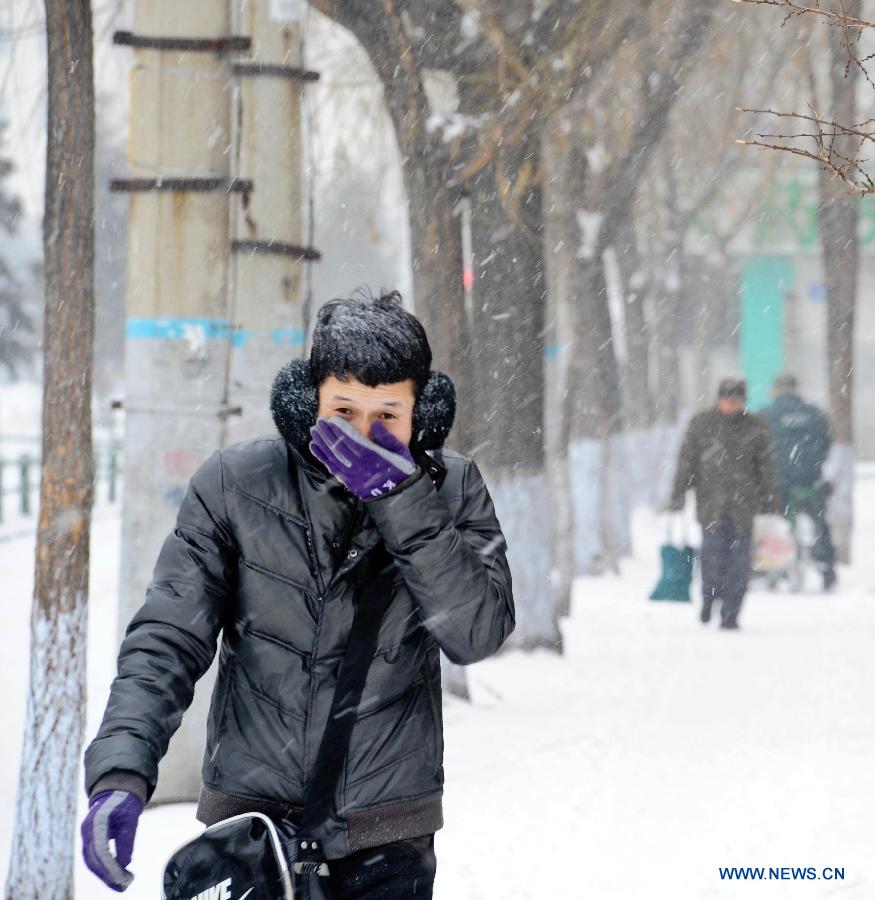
19, 476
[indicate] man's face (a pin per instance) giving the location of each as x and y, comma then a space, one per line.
362, 405
731, 405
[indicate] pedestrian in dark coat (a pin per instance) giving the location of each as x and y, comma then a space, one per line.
268, 551
726, 458
801, 437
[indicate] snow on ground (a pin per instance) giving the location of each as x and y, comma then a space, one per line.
655, 751
20, 409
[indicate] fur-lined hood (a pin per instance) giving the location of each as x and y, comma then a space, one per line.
294, 404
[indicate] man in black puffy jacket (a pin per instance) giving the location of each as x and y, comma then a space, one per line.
268, 551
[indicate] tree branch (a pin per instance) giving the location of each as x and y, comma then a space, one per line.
797, 9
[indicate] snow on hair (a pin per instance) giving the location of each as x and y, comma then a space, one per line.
374, 339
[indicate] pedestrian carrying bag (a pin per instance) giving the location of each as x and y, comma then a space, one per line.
254, 857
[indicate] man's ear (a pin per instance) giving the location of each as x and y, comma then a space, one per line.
434, 412
294, 402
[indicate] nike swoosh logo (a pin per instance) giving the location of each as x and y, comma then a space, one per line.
247, 893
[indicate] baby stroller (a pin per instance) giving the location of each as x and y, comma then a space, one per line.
786, 548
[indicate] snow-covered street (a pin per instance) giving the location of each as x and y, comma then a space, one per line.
652, 753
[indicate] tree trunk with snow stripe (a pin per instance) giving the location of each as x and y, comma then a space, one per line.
41, 864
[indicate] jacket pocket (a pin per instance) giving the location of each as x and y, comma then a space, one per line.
261, 745
391, 750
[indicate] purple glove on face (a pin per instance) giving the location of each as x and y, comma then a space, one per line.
368, 468
111, 815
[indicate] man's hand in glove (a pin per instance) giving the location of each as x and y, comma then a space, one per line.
368, 467
112, 815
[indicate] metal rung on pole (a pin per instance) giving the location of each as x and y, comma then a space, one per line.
192, 185
221, 412
277, 248
230, 43
273, 70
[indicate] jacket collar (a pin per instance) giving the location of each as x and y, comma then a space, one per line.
325, 505
318, 504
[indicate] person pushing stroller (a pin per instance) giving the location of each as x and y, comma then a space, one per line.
801, 438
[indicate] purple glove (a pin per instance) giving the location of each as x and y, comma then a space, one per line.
112, 815
368, 468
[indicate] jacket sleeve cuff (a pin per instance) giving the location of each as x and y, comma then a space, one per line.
401, 511
121, 780
119, 753
403, 485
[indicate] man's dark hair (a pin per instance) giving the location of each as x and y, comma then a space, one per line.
786, 383
373, 339
734, 388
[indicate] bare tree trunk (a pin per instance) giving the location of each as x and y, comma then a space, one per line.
436, 249
41, 864
560, 310
637, 402
438, 290
640, 473
595, 416
667, 362
508, 300
665, 283
837, 225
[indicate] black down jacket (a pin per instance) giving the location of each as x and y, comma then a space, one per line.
266, 551
728, 461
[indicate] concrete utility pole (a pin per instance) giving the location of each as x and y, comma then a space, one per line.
267, 227
213, 302
177, 347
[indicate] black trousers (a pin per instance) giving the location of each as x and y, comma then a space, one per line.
393, 871
725, 567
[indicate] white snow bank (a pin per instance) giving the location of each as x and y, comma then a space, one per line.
653, 753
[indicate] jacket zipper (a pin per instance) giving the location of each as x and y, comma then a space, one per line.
345, 541
311, 549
